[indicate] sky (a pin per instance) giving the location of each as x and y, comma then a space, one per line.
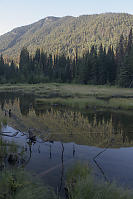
15, 13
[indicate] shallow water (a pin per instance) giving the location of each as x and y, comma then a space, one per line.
51, 159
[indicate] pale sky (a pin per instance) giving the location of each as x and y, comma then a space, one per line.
15, 13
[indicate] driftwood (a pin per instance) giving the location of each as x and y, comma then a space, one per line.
7, 134
31, 136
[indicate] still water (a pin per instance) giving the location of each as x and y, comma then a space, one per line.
49, 158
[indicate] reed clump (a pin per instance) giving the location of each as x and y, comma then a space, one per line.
76, 125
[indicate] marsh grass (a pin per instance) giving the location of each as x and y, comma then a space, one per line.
81, 184
72, 89
88, 103
74, 95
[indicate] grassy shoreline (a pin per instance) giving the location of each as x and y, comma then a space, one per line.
75, 95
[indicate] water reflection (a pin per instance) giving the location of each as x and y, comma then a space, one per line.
50, 160
94, 136
19, 150
75, 123
25, 101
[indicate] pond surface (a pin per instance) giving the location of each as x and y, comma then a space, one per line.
50, 158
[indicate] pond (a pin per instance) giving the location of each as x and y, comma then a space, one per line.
102, 138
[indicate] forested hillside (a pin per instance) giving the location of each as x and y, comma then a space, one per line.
65, 35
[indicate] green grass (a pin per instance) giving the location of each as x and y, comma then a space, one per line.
81, 184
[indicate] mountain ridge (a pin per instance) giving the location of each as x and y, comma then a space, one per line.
65, 34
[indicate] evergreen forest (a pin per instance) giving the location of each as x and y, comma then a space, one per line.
97, 66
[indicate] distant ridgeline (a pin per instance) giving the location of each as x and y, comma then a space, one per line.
57, 35
98, 66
